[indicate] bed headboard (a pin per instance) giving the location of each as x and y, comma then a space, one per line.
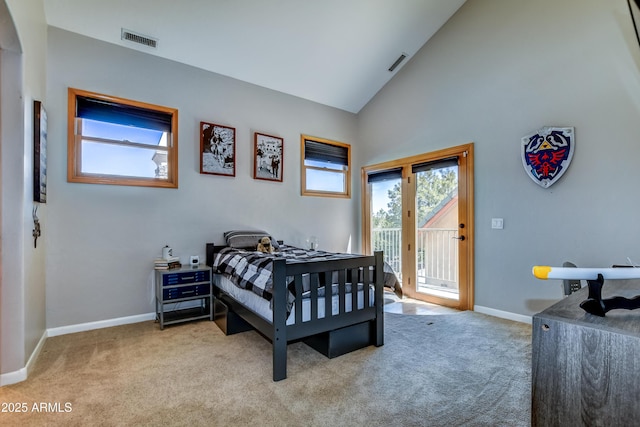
210, 252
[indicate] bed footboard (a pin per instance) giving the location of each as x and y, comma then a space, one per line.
353, 282
345, 278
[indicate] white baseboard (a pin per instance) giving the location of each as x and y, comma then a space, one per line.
22, 374
13, 377
503, 314
71, 329
36, 352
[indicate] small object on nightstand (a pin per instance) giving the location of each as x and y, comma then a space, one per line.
167, 264
312, 243
195, 260
167, 252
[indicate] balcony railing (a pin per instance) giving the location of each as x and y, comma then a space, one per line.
388, 240
437, 255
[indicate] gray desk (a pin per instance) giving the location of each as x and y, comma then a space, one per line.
585, 368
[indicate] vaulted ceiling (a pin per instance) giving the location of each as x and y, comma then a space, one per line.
334, 52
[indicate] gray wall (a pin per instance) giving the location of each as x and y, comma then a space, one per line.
498, 70
22, 281
102, 240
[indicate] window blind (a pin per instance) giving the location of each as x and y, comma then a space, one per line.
386, 175
319, 151
127, 115
435, 164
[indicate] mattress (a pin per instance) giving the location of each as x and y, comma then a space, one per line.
262, 307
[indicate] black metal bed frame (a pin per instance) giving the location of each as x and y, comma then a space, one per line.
333, 334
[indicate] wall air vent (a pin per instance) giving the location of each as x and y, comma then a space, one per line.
139, 38
401, 58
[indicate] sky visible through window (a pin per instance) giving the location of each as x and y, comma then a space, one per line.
102, 158
325, 180
380, 197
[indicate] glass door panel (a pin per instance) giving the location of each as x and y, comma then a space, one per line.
386, 219
436, 240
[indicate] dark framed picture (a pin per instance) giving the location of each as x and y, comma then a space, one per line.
634, 9
39, 153
217, 149
268, 156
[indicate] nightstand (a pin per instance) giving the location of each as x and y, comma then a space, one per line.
183, 285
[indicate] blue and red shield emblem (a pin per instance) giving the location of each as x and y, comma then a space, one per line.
546, 154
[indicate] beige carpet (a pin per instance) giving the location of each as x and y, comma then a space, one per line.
442, 370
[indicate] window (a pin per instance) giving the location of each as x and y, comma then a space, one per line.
121, 142
326, 167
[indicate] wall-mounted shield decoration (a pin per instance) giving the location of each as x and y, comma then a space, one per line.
546, 154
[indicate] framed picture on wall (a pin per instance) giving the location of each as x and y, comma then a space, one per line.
634, 9
217, 149
39, 153
268, 156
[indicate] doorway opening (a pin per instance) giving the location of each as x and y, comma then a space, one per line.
419, 211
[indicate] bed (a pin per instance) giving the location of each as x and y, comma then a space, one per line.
283, 297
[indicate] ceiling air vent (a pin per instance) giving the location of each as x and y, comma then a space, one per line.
139, 38
401, 58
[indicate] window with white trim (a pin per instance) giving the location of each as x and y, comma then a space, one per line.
326, 167
118, 141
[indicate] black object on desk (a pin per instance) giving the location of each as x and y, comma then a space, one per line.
594, 304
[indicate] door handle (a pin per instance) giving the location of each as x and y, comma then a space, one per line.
458, 238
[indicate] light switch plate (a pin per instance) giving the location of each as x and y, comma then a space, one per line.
497, 223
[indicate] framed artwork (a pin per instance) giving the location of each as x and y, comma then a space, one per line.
268, 156
634, 10
217, 149
39, 153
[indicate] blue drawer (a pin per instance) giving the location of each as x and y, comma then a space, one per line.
186, 292
184, 277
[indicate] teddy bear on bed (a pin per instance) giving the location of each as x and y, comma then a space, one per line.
264, 245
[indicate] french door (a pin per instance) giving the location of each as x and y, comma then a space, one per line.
419, 211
